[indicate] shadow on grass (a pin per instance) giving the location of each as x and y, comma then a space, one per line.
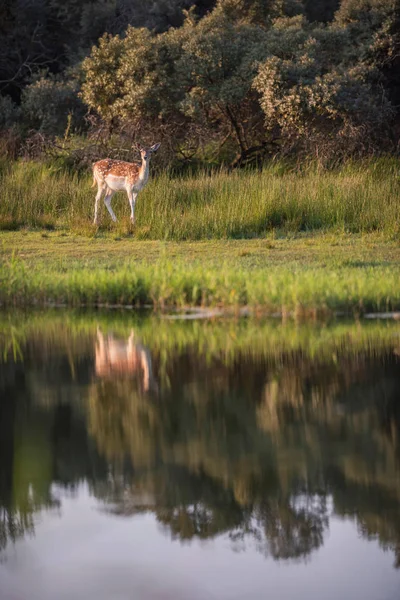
363, 264
10, 224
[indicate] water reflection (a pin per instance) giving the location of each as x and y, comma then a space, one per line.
261, 431
118, 358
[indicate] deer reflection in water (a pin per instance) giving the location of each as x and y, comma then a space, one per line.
116, 357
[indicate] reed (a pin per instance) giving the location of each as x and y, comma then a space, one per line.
168, 283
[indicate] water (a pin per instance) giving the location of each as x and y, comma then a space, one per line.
147, 459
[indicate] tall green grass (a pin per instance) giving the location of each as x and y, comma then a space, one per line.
358, 197
169, 283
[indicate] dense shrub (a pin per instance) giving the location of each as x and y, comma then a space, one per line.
214, 80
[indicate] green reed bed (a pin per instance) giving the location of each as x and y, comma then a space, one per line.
169, 283
358, 197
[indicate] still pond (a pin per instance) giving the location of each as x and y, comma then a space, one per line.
147, 458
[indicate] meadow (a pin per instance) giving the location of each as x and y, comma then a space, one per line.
304, 241
305, 275
357, 197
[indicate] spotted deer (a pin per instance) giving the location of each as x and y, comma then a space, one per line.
114, 175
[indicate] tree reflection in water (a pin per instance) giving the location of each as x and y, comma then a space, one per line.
263, 446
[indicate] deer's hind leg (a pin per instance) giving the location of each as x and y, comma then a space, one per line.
107, 201
101, 187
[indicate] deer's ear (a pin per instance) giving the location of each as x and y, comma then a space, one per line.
155, 147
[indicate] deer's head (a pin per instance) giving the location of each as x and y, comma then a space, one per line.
146, 153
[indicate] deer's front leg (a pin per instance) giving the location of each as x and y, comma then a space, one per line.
132, 201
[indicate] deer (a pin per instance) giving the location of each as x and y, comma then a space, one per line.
114, 175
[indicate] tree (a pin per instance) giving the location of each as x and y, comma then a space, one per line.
219, 60
9, 112
132, 83
318, 92
197, 77
374, 26
234, 77
36, 35
52, 102
259, 12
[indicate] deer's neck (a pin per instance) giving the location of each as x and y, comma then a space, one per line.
144, 172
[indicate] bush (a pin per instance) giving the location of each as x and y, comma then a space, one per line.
49, 103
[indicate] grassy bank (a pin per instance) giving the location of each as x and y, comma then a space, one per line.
358, 197
303, 275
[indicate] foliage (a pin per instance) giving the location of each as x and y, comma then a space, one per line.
9, 112
197, 77
230, 81
319, 86
220, 56
318, 94
50, 102
37, 34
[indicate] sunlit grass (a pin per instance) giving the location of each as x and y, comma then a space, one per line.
362, 197
167, 283
322, 241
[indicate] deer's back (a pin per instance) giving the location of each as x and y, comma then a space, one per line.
117, 168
